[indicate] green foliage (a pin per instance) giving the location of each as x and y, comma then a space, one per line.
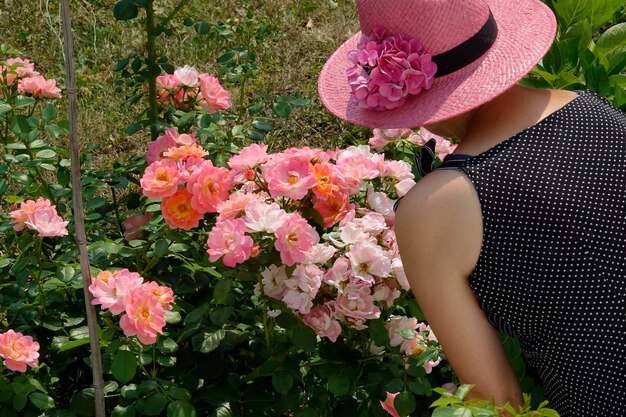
589, 52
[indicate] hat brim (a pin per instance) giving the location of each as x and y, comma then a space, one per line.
526, 30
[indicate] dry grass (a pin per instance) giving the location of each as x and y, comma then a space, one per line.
308, 31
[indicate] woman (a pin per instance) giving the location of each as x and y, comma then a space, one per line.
523, 230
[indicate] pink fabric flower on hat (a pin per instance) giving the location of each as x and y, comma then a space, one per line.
387, 68
18, 351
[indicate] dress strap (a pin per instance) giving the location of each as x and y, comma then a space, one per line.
424, 161
454, 161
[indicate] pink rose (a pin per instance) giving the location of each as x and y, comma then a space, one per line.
321, 319
249, 157
302, 288
356, 304
18, 351
213, 95
228, 239
178, 211
161, 179
368, 260
209, 186
164, 295
158, 147
47, 222
20, 216
145, 316
235, 206
274, 278
263, 217
132, 225
294, 239
290, 177
39, 87
109, 291
388, 406
187, 75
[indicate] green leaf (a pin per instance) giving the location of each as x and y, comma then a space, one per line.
262, 125
74, 344
282, 381
405, 403
178, 393
444, 412
221, 292
462, 391
46, 154
83, 403
125, 10
41, 401
129, 391
124, 366
160, 248
133, 128
23, 101
255, 135
304, 338
211, 341
120, 411
4, 107
338, 384
202, 28
462, 412
186, 118
48, 113
282, 109
152, 405
180, 408
255, 108
21, 178
167, 345
4, 186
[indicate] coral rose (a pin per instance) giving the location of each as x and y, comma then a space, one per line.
228, 239
18, 351
39, 87
178, 211
209, 186
161, 179
145, 316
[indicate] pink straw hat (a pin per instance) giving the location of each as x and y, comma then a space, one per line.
481, 48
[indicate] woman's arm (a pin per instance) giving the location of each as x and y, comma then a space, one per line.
439, 232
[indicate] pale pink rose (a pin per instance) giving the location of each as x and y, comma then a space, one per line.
333, 207
355, 165
18, 351
178, 211
167, 85
398, 272
47, 222
305, 154
396, 325
145, 316
164, 295
235, 206
132, 225
320, 254
263, 217
321, 319
20, 216
356, 304
382, 137
368, 260
274, 278
187, 75
386, 292
388, 406
161, 179
249, 157
302, 288
110, 293
228, 239
294, 239
158, 147
17, 68
380, 203
444, 147
397, 170
213, 95
404, 186
292, 178
371, 222
180, 139
351, 233
339, 273
210, 186
39, 87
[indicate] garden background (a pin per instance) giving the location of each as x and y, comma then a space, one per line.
230, 346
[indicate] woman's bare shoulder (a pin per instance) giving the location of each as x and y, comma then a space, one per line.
442, 211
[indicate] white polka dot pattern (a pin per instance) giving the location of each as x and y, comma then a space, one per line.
552, 267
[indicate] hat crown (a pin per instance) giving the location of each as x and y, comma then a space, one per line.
440, 25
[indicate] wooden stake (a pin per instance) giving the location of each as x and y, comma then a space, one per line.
79, 214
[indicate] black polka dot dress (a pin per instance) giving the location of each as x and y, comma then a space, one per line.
552, 267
